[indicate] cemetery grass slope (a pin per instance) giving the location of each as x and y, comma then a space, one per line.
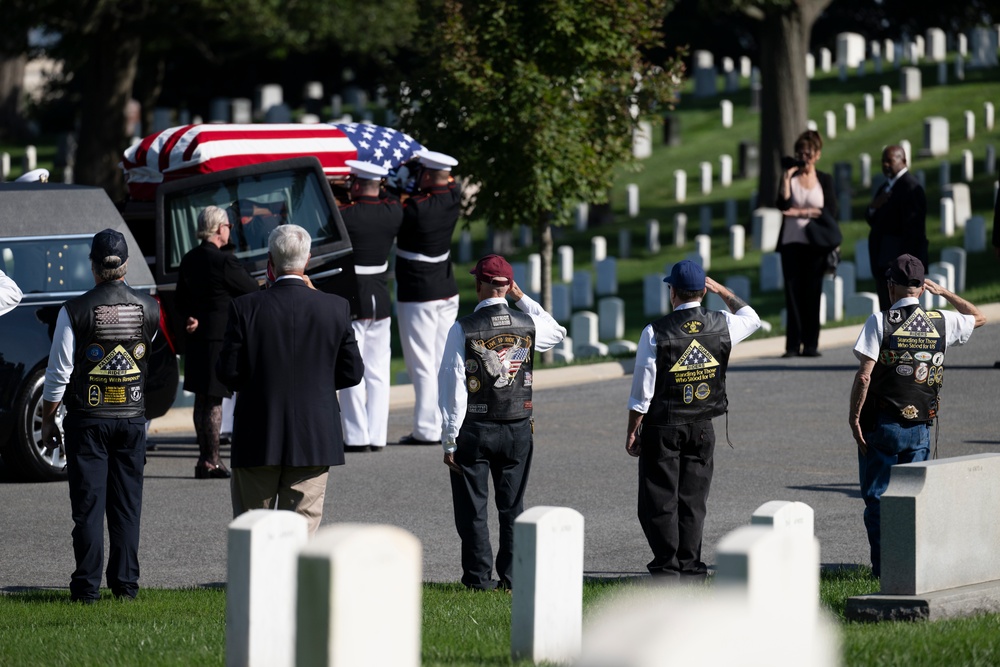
460, 628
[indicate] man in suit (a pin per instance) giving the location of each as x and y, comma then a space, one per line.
897, 217
372, 222
287, 350
426, 291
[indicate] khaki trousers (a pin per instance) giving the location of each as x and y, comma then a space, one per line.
299, 489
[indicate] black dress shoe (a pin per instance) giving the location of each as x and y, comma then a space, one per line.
811, 353
205, 470
410, 440
789, 353
355, 449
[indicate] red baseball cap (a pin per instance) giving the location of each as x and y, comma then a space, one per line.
495, 270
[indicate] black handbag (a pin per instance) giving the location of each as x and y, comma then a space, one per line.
824, 232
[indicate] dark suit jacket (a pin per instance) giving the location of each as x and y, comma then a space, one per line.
899, 226
830, 204
209, 279
287, 351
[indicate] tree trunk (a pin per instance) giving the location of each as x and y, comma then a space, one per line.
13, 62
545, 246
107, 78
784, 39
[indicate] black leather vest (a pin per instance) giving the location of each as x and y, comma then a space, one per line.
114, 326
910, 366
499, 351
692, 354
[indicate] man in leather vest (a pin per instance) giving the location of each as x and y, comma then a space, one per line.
895, 392
97, 367
678, 386
426, 291
485, 384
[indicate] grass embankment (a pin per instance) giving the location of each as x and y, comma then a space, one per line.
187, 627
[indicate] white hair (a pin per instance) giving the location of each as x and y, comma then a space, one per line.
289, 246
209, 221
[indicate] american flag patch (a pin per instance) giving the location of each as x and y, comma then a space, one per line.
694, 357
918, 325
118, 322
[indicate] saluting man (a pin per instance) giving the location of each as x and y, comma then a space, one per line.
486, 379
426, 291
372, 222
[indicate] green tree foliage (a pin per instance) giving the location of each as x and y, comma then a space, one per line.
537, 101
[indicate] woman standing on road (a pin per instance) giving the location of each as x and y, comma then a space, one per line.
808, 201
210, 278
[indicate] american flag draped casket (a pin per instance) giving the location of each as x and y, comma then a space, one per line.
189, 150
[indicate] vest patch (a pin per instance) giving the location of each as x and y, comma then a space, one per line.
502, 356
118, 322
116, 367
500, 320
916, 332
695, 364
477, 408
693, 326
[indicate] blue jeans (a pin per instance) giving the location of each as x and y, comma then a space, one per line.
889, 443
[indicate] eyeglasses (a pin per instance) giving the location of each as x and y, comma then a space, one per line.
804, 154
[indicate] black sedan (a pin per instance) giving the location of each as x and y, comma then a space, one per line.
45, 235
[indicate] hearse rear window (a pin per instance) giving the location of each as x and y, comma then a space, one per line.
44, 265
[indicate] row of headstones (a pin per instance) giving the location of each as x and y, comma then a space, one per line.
29, 162
295, 601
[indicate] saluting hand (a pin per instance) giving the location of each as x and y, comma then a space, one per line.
515, 292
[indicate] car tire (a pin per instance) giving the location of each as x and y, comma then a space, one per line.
24, 452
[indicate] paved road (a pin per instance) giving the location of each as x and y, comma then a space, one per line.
787, 423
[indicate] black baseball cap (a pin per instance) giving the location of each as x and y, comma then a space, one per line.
906, 270
109, 248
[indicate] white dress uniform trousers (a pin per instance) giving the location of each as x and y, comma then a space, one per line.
364, 408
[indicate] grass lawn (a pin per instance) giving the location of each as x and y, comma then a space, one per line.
187, 627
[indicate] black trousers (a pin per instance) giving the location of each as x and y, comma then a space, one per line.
501, 450
675, 473
105, 460
802, 267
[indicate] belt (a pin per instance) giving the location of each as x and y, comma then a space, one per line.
417, 257
370, 270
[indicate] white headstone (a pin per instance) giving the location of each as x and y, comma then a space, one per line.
909, 84
810, 65
565, 263
309, 119
886, 93
861, 304
624, 243
598, 248
957, 258
975, 234
583, 290
935, 44
967, 165
262, 549
704, 74
831, 124
988, 113
705, 169
970, 125
847, 273
727, 113
653, 236
725, 170
267, 96
862, 259
633, 199
350, 574
642, 140
962, 44
928, 300
607, 277
935, 136
889, 52
30, 161
680, 185
582, 217
745, 66
869, 106
766, 228
825, 59
850, 49
865, 161
730, 208
546, 618
959, 192
655, 296
907, 150
771, 278
563, 351
703, 248
737, 242
849, 117
947, 216
241, 110
4, 165
785, 515
584, 329
611, 318
561, 308
534, 280
833, 289
680, 229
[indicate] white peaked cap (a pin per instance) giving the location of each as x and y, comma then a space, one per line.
33, 176
366, 170
434, 160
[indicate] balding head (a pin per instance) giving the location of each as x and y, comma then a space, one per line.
893, 160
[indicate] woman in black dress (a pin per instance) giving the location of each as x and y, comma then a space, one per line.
210, 277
